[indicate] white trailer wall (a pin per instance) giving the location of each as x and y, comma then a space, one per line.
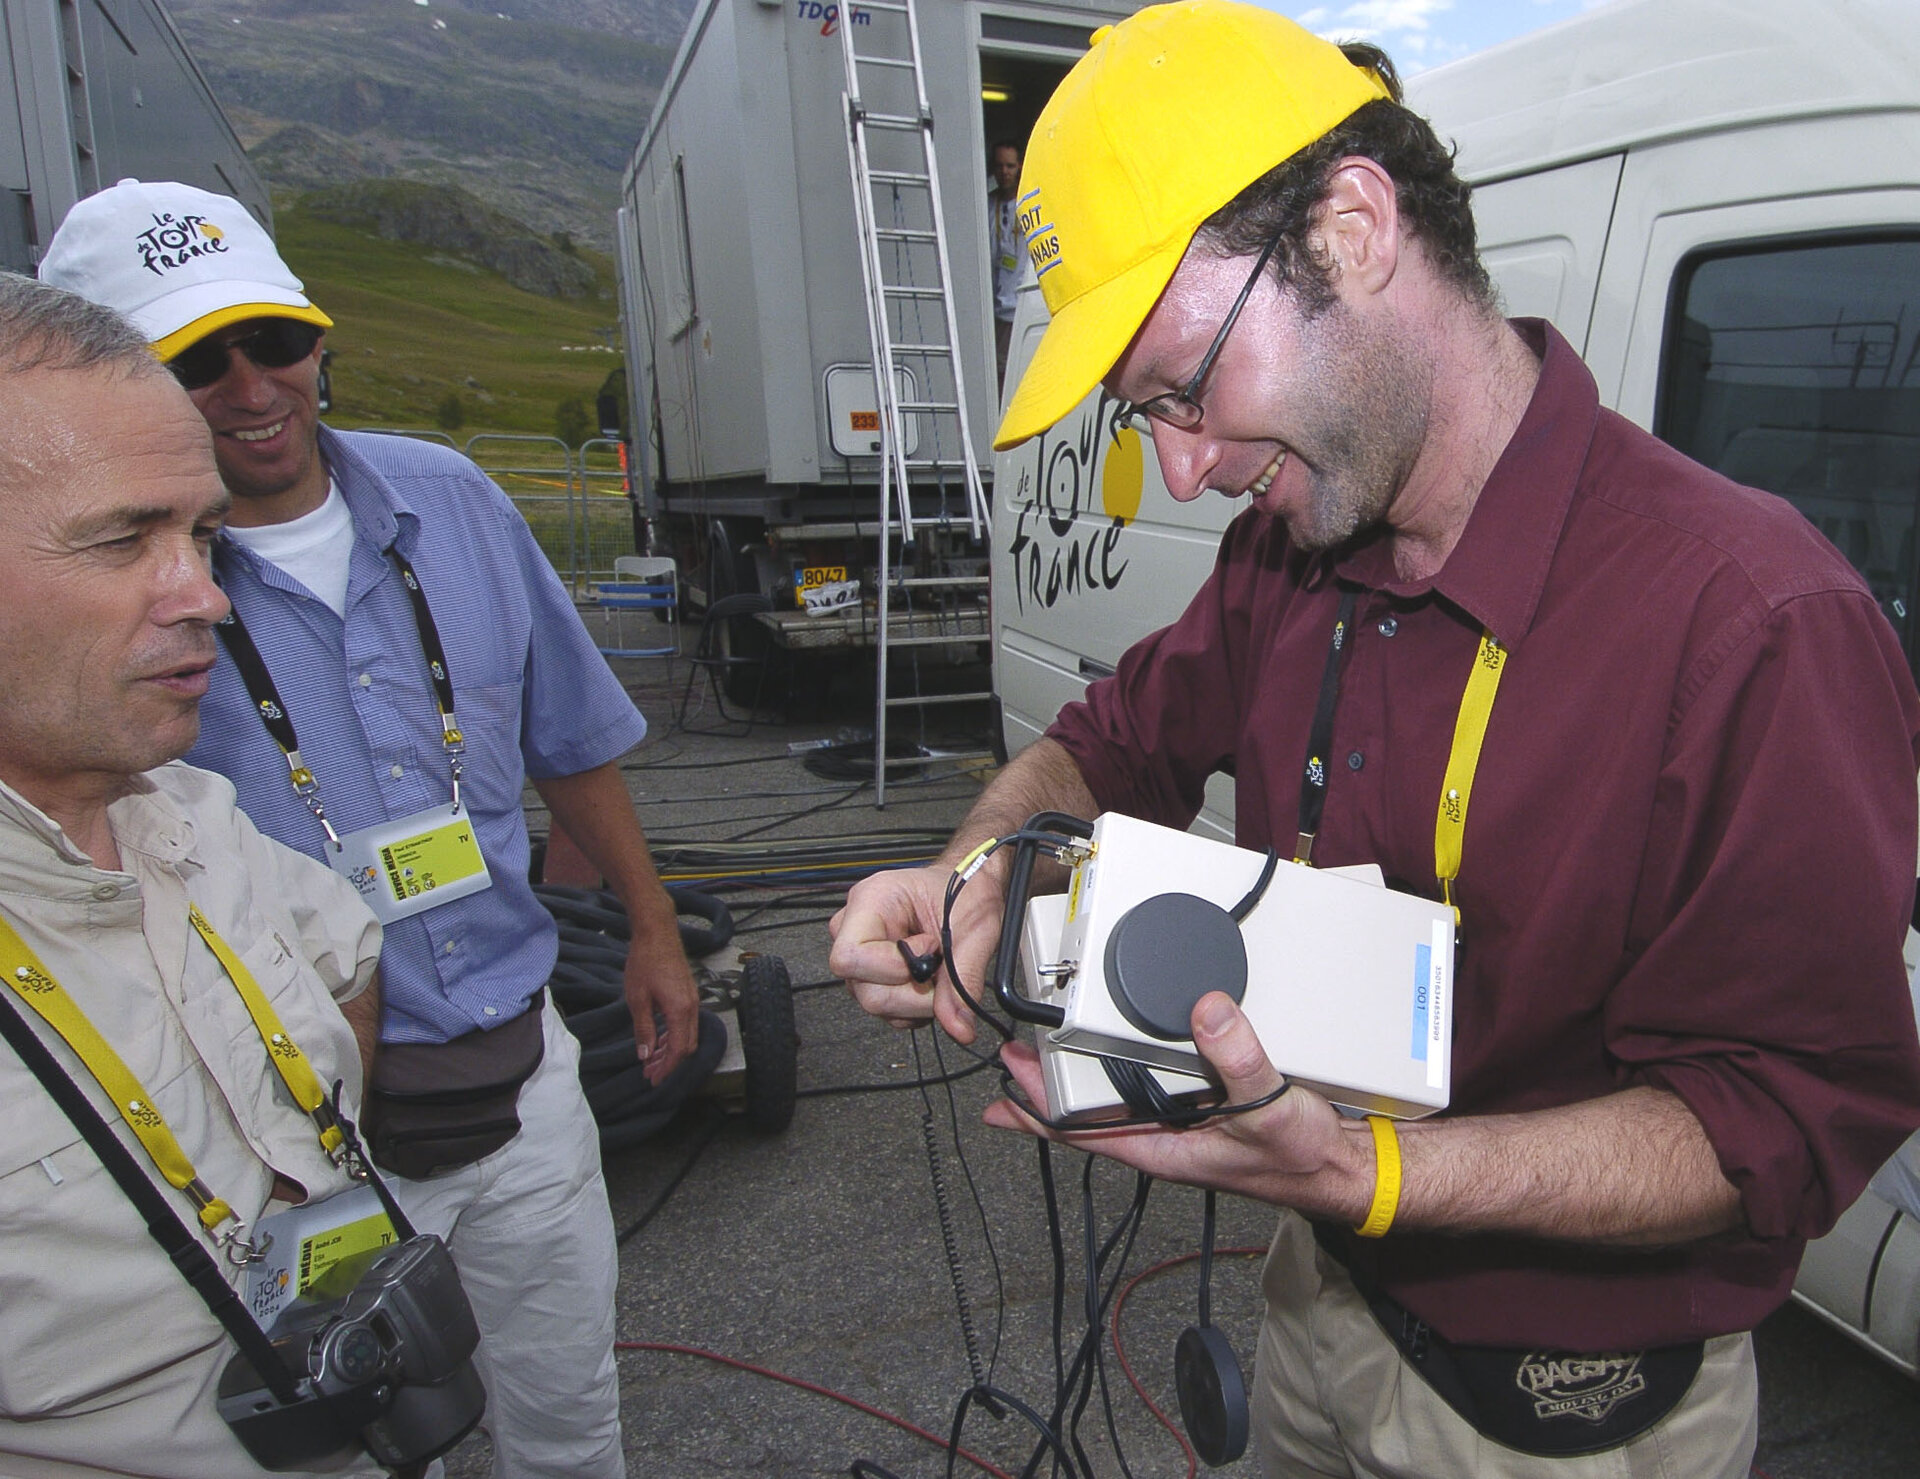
743, 213
101, 93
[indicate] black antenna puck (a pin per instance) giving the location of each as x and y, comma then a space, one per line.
1213, 1394
1165, 954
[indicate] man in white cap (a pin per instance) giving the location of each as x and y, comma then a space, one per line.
1682, 1039
403, 660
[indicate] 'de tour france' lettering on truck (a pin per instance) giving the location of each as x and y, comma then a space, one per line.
1056, 553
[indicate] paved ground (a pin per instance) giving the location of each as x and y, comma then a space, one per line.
818, 1253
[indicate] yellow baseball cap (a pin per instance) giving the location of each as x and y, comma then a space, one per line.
1172, 113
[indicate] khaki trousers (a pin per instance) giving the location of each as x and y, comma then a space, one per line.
1331, 1396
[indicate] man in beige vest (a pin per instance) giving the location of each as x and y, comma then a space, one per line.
108, 502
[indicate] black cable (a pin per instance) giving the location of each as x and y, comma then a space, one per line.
1049, 1438
949, 1238
1180, 1118
1058, 1249
979, 1207
781, 924
709, 1126
837, 800
1246, 906
1078, 1376
954, 885
1206, 1259
906, 1083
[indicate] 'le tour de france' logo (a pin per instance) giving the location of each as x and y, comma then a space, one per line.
173, 241
1076, 489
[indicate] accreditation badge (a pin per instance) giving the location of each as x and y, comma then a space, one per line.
307, 1243
408, 865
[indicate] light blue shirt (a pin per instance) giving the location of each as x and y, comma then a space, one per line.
533, 695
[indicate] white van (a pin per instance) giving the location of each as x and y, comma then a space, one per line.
1718, 203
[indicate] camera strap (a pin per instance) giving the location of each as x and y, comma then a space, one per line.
272, 709
193, 1261
34, 984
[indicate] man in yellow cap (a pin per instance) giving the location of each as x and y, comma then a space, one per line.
1682, 1038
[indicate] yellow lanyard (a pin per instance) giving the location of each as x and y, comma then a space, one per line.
1469, 730
35, 985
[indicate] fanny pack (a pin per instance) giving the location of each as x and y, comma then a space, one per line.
435, 1107
1552, 1404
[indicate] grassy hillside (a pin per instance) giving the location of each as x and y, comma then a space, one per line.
414, 325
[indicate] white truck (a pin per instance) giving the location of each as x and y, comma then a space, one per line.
750, 388
1718, 203
104, 90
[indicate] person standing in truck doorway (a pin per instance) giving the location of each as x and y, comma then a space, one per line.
402, 660
1003, 206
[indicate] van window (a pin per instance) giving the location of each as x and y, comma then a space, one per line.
1796, 368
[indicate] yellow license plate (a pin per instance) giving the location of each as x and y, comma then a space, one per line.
809, 576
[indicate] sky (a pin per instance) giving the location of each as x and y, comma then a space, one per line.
1419, 34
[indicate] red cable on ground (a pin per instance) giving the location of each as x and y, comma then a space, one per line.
1119, 1350
819, 1391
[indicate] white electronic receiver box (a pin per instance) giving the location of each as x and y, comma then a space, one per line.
1077, 1083
1348, 984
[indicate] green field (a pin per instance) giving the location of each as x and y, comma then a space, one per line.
413, 325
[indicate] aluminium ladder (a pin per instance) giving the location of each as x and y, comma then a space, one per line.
919, 386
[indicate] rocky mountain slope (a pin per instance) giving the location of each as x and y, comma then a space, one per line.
533, 106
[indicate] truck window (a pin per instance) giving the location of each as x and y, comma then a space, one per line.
1796, 368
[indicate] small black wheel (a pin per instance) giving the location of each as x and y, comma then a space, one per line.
768, 1041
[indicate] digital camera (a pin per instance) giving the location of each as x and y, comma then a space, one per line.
387, 1366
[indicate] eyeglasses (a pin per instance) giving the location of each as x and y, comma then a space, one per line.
1181, 408
277, 343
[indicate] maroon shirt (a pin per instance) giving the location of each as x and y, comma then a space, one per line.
1689, 854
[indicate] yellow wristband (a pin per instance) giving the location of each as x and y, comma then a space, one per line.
1386, 1185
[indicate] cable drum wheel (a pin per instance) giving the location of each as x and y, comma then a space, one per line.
588, 988
763, 1007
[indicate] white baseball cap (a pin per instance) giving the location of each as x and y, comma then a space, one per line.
178, 262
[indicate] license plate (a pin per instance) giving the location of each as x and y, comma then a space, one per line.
809, 576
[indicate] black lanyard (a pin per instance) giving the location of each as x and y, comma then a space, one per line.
1313, 775
272, 710
1469, 732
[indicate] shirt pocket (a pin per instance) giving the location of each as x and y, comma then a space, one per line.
495, 773
308, 1014
88, 1302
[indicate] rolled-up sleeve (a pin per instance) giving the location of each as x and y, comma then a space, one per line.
1766, 986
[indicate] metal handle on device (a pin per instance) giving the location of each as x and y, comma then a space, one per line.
1019, 885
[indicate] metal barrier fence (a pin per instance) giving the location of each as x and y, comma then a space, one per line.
575, 501
606, 512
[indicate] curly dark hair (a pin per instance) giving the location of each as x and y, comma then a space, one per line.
1435, 203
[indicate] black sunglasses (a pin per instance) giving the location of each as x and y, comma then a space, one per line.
277, 343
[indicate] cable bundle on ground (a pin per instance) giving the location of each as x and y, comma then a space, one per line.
588, 986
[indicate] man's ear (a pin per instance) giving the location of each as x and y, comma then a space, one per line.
1359, 224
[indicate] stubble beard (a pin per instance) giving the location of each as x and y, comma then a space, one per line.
1367, 420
